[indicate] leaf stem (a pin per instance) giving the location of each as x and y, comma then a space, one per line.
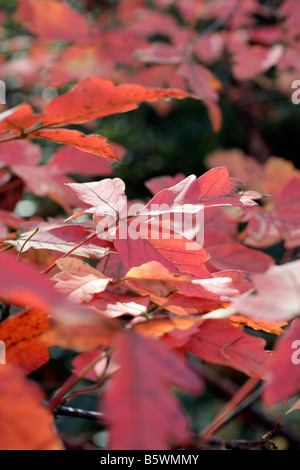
83, 242
72, 381
226, 412
106, 263
27, 240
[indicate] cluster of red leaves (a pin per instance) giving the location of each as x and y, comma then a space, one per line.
132, 306
174, 299
136, 44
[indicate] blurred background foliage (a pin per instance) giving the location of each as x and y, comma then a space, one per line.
159, 141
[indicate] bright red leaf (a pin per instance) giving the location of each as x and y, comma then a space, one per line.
234, 255
88, 143
21, 335
283, 380
98, 97
172, 252
219, 342
214, 188
138, 401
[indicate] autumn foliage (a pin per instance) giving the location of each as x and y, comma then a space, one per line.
144, 310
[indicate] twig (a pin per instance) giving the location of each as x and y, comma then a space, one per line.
78, 413
23, 133
241, 444
84, 391
12, 137
58, 397
235, 444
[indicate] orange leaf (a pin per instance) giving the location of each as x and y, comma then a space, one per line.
160, 326
90, 99
18, 118
88, 143
25, 423
21, 335
275, 328
154, 270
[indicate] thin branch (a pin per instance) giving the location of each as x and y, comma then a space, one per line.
62, 410
12, 137
36, 127
84, 391
234, 444
106, 263
241, 444
101, 380
58, 397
